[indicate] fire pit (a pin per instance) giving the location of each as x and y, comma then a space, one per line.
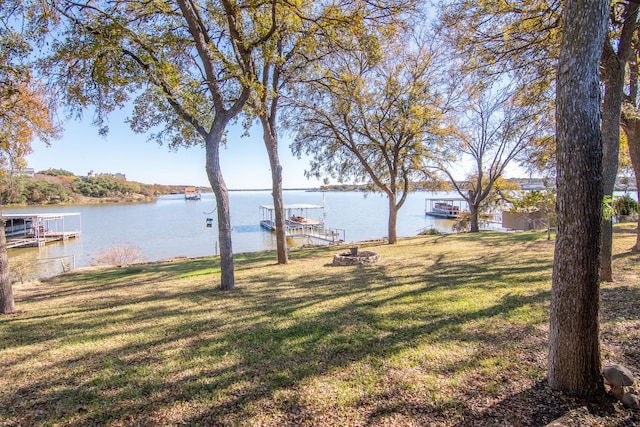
355, 257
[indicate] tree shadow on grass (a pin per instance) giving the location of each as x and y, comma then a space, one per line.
625, 228
494, 238
338, 338
630, 254
226, 353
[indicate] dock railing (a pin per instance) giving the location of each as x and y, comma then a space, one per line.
330, 235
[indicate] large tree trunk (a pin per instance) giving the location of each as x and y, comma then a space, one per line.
212, 146
271, 143
574, 348
393, 219
613, 72
7, 304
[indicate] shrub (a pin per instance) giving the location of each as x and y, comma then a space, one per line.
430, 232
625, 206
463, 223
118, 255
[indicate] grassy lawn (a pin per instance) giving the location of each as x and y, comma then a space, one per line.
443, 331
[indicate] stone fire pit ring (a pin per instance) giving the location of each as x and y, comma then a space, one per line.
355, 257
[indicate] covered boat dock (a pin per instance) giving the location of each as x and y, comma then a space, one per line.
38, 229
302, 220
445, 207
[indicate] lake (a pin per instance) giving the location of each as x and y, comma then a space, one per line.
175, 227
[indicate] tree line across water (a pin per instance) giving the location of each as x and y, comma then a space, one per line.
55, 186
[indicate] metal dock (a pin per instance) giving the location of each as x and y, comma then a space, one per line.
38, 229
300, 222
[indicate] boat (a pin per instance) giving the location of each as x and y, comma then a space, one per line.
37, 229
444, 208
301, 220
296, 215
19, 226
447, 210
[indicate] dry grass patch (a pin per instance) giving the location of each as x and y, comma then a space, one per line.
442, 331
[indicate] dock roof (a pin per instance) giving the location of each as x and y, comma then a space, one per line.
39, 215
294, 206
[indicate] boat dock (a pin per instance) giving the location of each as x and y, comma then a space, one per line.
38, 229
447, 207
190, 193
300, 222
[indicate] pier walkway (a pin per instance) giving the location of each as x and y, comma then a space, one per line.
328, 235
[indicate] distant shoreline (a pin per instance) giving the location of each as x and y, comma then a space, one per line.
269, 189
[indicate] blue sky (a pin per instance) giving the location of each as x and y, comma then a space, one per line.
244, 161
245, 164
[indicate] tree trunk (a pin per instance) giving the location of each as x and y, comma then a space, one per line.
574, 348
474, 226
393, 219
636, 247
7, 304
606, 249
271, 144
611, 107
613, 71
631, 128
212, 147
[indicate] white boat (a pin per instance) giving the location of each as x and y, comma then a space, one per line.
296, 215
444, 208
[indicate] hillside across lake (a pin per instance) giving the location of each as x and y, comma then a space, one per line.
57, 186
